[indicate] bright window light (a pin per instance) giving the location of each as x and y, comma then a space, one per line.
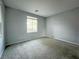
31, 24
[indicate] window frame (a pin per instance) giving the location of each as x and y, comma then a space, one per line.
33, 28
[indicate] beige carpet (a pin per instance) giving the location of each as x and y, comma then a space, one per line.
43, 48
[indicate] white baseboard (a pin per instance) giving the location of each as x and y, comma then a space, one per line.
73, 43
25, 40
48, 35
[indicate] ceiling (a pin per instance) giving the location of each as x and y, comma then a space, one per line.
46, 7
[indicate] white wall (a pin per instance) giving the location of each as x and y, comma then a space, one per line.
16, 26
64, 26
1, 29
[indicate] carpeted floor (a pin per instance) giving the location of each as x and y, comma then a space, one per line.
43, 48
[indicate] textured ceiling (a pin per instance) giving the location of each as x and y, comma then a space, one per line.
46, 7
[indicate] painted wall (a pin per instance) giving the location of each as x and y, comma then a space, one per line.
64, 26
16, 26
1, 28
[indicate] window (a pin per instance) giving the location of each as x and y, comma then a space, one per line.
31, 24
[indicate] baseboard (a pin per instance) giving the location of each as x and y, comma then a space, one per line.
50, 36
17, 42
73, 43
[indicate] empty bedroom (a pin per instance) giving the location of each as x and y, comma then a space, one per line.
39, 29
